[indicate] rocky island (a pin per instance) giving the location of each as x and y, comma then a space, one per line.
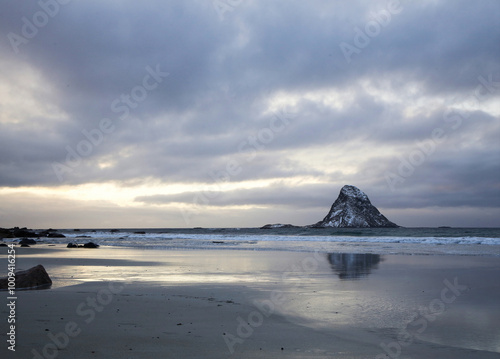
354, 209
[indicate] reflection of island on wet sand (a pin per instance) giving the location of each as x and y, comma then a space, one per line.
353, 265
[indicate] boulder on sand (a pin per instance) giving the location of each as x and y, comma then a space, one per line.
27, 241
33, 278
86, 245
90, 245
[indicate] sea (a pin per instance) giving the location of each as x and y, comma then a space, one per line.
443, 240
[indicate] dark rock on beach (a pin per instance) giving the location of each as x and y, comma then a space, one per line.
53, 235
27, 241
90, 245
86, 245
353, 209
6, 233
24, 233
17, 232
33, 278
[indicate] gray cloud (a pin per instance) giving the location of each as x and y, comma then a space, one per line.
431, 56
273, 195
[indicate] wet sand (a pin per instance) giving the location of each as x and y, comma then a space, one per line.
131, 303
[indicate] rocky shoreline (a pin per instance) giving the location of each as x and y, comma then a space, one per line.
26, 236
24, 232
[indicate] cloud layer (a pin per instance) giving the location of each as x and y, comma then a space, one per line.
266, 106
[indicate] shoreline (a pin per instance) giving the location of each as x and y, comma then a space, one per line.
414, 241
313, 305
382, 248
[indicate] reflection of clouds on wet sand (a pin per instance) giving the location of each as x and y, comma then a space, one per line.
353, 265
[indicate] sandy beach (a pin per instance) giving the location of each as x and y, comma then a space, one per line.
132, 303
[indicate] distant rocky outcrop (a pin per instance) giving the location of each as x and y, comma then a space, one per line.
17, 232
6, 233
23, 233
353, 209
278, 225
32, 278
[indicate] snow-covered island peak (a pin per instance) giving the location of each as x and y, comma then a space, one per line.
354, 209
355, 192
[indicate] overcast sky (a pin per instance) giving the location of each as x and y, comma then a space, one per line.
232, 113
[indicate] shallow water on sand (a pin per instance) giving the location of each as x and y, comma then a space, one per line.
408, 302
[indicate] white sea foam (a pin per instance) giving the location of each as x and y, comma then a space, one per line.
331, 243
141, 238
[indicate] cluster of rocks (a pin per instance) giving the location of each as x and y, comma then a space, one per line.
17, 232
26, 237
